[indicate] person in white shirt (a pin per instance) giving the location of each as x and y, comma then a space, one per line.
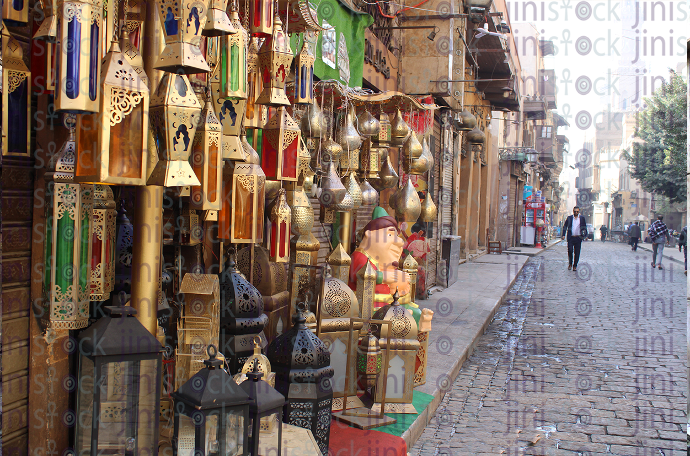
573, 229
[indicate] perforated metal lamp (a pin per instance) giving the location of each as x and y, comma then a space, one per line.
211, 413
16, 98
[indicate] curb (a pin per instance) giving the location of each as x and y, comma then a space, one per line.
665, 256
414, 432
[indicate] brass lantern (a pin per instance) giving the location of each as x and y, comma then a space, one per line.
369, 360
255, 114
281, 139
275, 58
112, 143
183, 22
175, 114
217, 20
233, 61
15, 12
66, 282
16, 98
133, 56
78, 58
279, 242
102, 243
207, 162
261, 14
48, 29
248, 195
304, 75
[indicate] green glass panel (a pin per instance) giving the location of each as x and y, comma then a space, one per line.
84, 252
244, 79
64, 253
234, 67
223, 67
259, 142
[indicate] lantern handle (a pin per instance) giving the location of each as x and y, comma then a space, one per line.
257, 345
212, 352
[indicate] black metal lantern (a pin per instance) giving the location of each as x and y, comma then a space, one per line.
298, 357
242, 317
265, 411
118, 401
211, 413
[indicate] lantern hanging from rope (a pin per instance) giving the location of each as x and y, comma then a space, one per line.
275, 58
183, 22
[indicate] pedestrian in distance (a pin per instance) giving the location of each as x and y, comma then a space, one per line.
683, 246
635, 234
575, 230
604, 231
658, 233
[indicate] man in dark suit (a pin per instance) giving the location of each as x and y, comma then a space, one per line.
573, 228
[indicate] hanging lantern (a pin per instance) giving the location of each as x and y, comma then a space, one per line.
256, 115
242, 218
217, 20
304, 246
183, 22
233, 61
175, 114
112, 143
265, 410
346, 205
304, 74
383, 139
370, 159
275, 58
339, 261
313, 122
353, 189
211, 413
207, 162
476, 136
369, 194
119, 378
399, 130
419, 165
331, 151
102, 243
429, 210
16, 97
279, 242
332, 190
259, 360
133, 56
368, 125
281, 139
408, 206
412, 148
229, 112
347, 135
48, 29
261, 14
78, 56
466, 121
15, 12
369, 360
388, 178
67, 258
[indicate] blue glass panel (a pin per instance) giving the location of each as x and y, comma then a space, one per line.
170, 23
180, 85
72, 48
93, 63
311, 82
303, 81
17, 119
18, 5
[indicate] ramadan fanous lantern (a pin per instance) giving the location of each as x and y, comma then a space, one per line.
16, 12
182, 21
256, 115
175, 115
261, 14
232, 74
275, 58
48, 29
281, 138
217, 21
112, 143
279, 242
78, 58
16, 98
102, 243
304, 75
207, 162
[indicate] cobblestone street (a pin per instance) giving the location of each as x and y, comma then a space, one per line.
590, 362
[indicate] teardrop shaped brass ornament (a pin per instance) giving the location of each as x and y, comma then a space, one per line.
408, 207
420, 165
346, 205
332, 190
476, 136
399, 130
313, 123
347, 135
467, 121
368, 125
330, 152
429, 211
393, 199
369, 193
412, 148
388, 178
352, 186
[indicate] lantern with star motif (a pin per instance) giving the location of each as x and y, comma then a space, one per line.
281, 139
304, 75
207, 162
279, 242
275, 58
102, 243
78, 58
175, 114
255, 114
230, 112
182, 21
16, 99
233, 61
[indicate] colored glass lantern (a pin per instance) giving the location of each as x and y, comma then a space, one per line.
112, 143
275, 58
16, 98
102, 243
245, 210
281, 138
230, 112
256, 115
78, 56
233, 61
175, 114
281, 217
132, 55
207, 162
211, 413
261, 14
302, 17
266, 407
48, 29
182, 21
369, 360
119, 378
242, 317
16, 12
217, 20
304, 75
66, 283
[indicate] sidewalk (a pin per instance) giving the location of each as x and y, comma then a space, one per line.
670, 253
461, 315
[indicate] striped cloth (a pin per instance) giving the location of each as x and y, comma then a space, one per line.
657, 229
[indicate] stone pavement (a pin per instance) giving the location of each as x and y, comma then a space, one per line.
592, 362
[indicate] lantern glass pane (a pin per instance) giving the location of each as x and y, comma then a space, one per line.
93, 63
212, 181
17, 118
47, 259
73, 51
88, 144
85, 398
234, 67
261, 195
234, 433
64, 242
268, 434
212, 435
290, 160
185, 436
84, 270
126, 139
244, 209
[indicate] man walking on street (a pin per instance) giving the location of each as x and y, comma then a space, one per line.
603, 230
635, 234
683, 246
575, 229
658, 233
